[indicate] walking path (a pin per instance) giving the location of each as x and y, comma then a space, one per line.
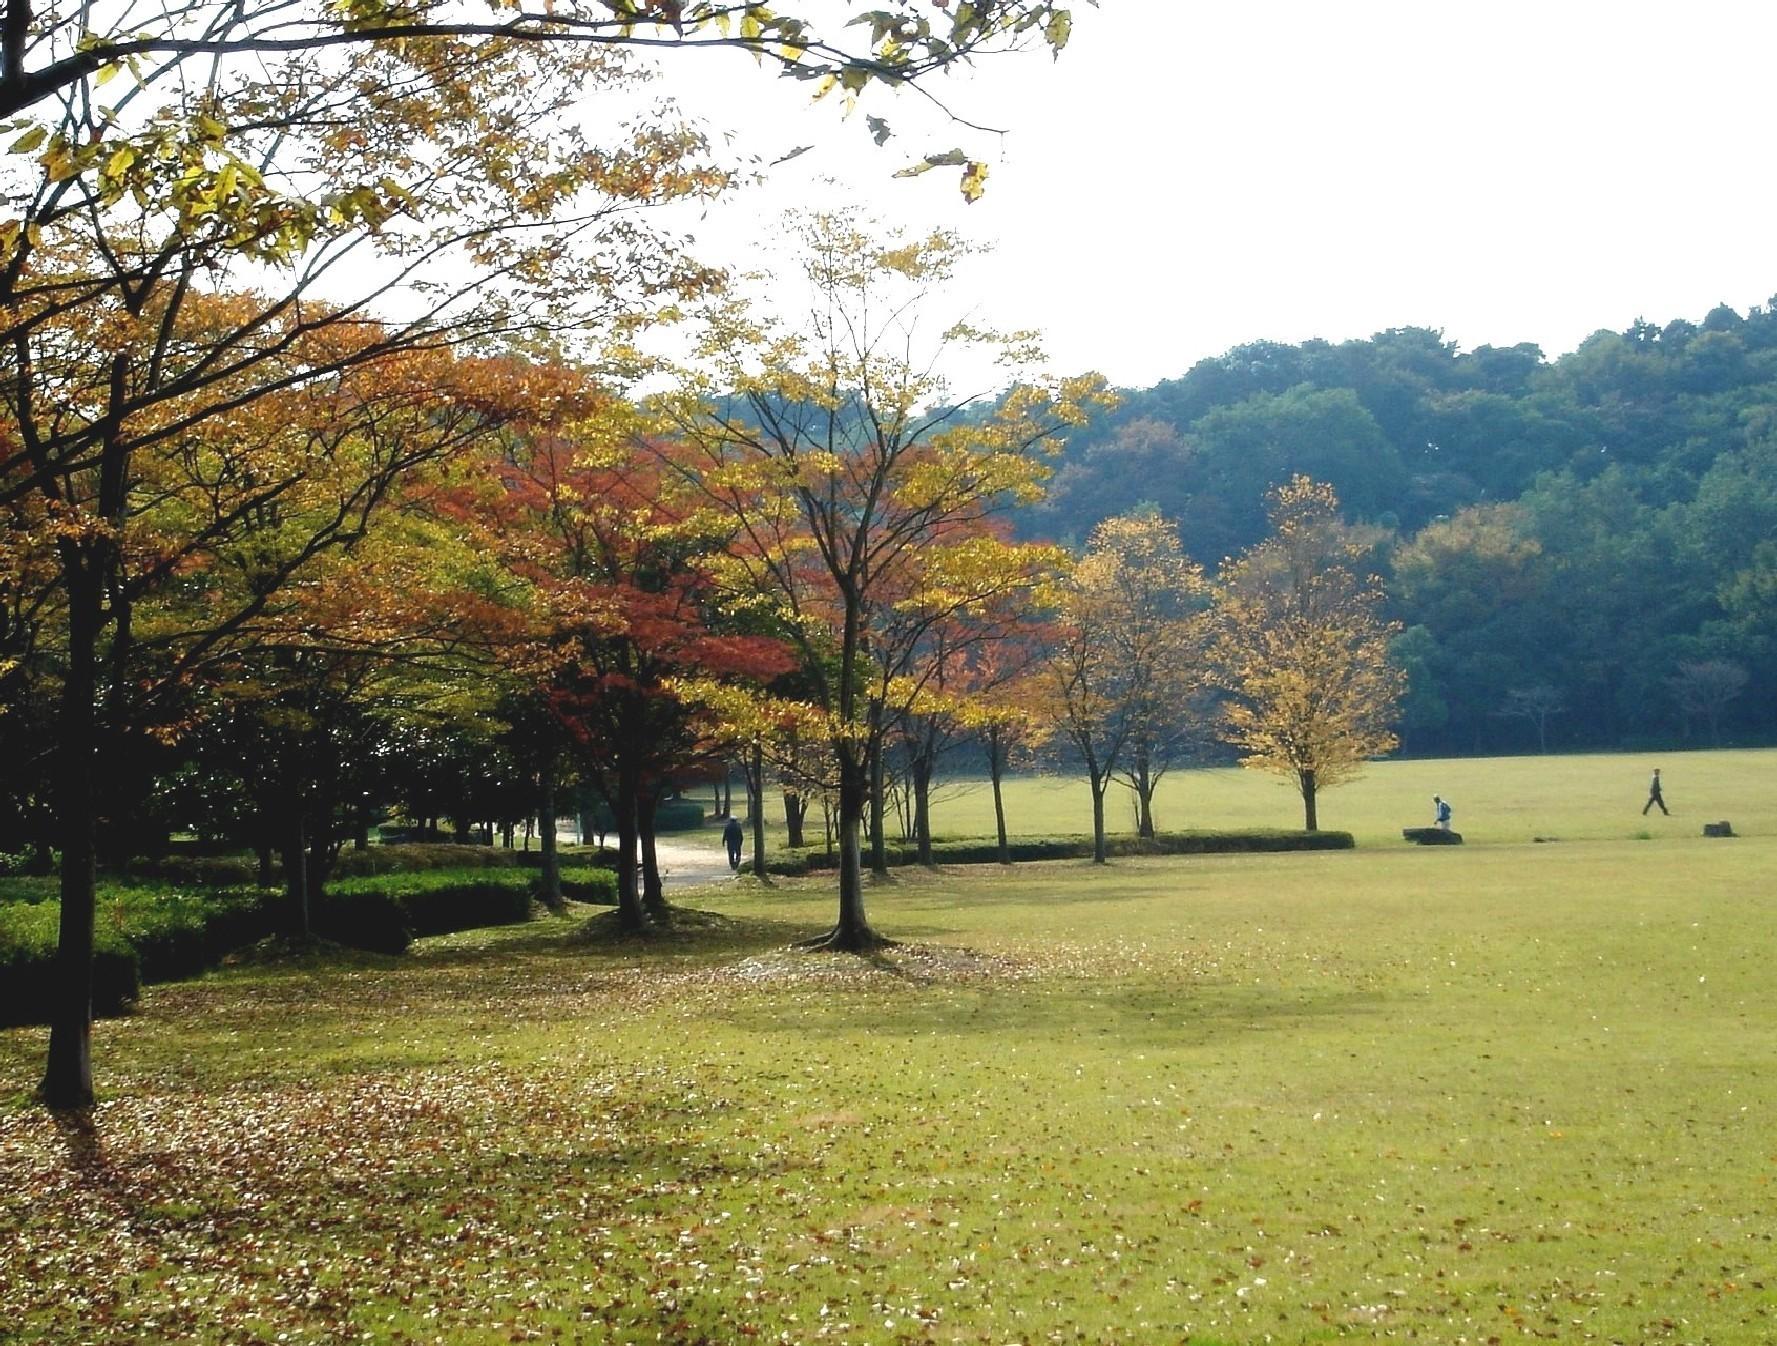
686, 866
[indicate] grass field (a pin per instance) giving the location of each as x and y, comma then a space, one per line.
1497, 799
1499, 1093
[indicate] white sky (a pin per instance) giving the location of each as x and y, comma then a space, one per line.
1191, 175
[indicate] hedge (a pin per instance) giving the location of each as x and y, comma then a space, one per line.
154, 933
384, 912
28, 971
979, 851
670, 815
368, 912
597, 886
240, 870
180, 934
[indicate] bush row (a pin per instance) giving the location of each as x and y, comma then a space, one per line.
979, 851
154, 933
223, 871
28, 972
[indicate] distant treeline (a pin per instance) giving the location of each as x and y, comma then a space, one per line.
1581, 552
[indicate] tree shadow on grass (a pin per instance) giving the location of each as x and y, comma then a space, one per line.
1080, 1011
426, 1218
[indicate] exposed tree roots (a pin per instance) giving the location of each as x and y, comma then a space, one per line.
847, 939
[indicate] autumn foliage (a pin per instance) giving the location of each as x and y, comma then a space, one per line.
1302, 649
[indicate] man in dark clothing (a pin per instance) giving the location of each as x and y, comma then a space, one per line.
732, 835
1654, 796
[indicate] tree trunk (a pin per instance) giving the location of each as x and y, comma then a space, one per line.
852, 934
319, 860
922, 805
298, 916
550, 884
795, 815
262, 857
68, 1072
756, 772
878, 832
1144, 795
1306, 780
631, 917
995, 770
1099, 854
653, 891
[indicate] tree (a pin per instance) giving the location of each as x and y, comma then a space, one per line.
964, 592
1123, 673
1302, 651
1536, 704
1084, 693
1007, 716
905, 40
602, 549
1706, 687
324, 163
857, 474
183, 535
1157, 597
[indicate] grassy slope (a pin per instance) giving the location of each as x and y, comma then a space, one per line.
1475, 1094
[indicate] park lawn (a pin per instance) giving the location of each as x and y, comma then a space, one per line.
1495, 1093
1596, 796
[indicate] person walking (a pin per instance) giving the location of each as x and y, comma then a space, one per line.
1442, 812
732, 835
1655, 797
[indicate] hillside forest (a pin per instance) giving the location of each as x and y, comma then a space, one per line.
1582, 552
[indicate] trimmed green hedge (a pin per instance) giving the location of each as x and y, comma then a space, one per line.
28, 972
670, 815
234, 871
980, 851
368, 912
155, 933
596, 886
179, 934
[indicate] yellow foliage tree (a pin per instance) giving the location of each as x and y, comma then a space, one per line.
1128, 661
1302, 649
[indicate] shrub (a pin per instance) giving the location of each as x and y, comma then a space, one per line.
384, 912
370, 920
592, 857
419, 857
670, 815
678, 815
179, 933
597, 886
214, 871
29, 889
978, 851
28, 971
16, 864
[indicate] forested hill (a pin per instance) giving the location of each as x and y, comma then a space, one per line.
1595, 535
